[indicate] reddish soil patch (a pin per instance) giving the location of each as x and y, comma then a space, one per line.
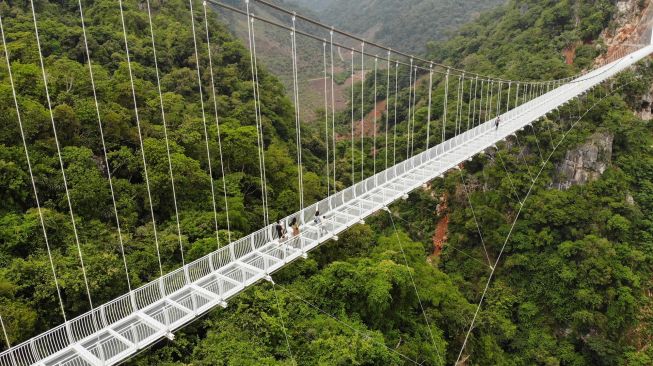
439, 237
570, 54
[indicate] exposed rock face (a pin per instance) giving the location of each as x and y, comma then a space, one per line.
646, 110
585, 163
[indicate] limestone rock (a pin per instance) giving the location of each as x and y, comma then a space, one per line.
585, 163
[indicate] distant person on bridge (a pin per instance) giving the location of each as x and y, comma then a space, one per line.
295, 227
496, 122
319, 222
279, 229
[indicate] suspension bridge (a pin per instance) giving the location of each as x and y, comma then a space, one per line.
113, 332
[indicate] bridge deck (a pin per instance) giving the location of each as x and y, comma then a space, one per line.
117, 330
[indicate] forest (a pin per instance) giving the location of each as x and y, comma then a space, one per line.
574, 282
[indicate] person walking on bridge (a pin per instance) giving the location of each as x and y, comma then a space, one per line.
279, 229
496, 122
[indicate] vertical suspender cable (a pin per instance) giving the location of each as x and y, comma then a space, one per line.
412, 129
473, 102
362, 110
7, 342
387, 111
206, 131
508, 98
104, 147
297, 119
260, 137
394, 127
333, 114
428, 113
217, 121
458, 103
480, 103
140, 135
353, 178
257, 114
489, 101
410, 97
326, 120
498, 111
63, 172
376, 69
469, 102
446, 102
31, 175
165, 129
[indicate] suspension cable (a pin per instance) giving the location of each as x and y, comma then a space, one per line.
456, 126
206, 133
473, 101
297, 118
428, 113
469, 102
353, 178
490, 100
514, 222
61, 164
366, 336
508, 98
412, 130
333, 113
412, 280
7, 342
362, 111
165, 130
387, 111
140, 135
480, 103
478, 227
217, 121
104, 146
376, 69
257, 115
257, 95
326, 120
283, 325
410, 96
394, 127
446, 102
377, 45
31, 173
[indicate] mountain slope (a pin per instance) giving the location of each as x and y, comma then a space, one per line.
406, 25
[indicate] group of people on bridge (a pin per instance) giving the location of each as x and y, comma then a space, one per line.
283, 233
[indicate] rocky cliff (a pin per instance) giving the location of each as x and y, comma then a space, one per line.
586, 162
